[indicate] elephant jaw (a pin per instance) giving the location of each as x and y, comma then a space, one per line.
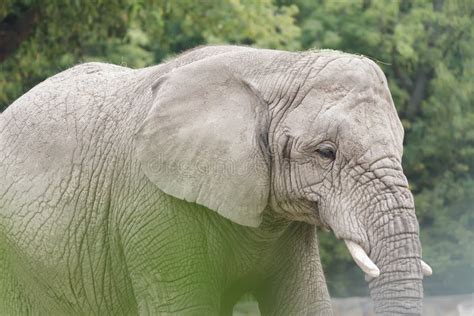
368, 266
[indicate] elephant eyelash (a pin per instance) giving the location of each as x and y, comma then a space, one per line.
326, 151
327, 154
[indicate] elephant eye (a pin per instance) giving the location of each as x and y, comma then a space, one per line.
326, 151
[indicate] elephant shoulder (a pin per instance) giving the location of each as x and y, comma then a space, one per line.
72, 92
44, 128
89, 68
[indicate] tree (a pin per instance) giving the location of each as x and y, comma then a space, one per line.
40, 38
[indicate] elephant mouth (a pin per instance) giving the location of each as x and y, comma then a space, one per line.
359, 255
368, 266
318, 220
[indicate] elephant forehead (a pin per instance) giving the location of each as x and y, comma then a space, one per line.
342, 73
364, 107
356, 127
370, 139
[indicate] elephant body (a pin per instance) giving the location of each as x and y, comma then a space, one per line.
109, 204
76, 242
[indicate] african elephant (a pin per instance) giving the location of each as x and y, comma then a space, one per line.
177, 188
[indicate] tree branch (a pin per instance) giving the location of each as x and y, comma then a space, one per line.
418, 93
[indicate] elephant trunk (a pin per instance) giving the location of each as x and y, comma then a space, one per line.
396, 250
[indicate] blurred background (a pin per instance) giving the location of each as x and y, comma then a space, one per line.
425, 47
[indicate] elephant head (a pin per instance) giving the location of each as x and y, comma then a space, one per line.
313, 137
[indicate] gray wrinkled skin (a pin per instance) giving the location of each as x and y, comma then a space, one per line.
175, 189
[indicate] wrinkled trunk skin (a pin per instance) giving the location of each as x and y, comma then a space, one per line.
396, 250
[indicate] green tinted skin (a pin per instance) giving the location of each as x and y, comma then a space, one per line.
168, 257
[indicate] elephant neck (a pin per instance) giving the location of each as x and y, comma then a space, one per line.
273, 223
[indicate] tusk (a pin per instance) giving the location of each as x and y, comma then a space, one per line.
425, 268
362, 260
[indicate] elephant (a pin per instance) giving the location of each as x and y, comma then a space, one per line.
177, 188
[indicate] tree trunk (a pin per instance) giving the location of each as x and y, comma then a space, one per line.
14, 29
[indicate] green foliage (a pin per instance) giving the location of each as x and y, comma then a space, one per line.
424, 47
134, 33
57, 39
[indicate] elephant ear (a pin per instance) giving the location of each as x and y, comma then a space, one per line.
202, 141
